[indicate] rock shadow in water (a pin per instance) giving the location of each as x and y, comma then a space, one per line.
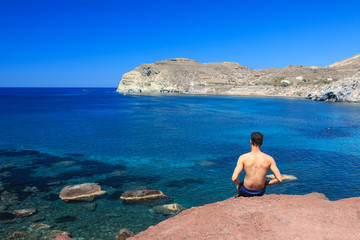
65, 219
11, 153
20, 178
114, 196
75, 154
118, 181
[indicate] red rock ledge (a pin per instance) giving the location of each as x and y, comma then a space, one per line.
311, 216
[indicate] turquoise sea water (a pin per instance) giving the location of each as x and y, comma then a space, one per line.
186, 146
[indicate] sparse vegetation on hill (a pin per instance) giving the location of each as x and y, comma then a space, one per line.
185, 76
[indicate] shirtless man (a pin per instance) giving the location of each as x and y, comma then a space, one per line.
256, 165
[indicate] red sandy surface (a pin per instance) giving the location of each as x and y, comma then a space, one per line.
311, 216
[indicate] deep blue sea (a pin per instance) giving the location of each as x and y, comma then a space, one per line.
185, 146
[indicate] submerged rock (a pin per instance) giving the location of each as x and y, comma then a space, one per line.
37, 218
39, 226
85, 191
31, 189
207, 163
169, 209
24, 212
90, 206
65, 163
19, 235
142, 196
53, 234
9, 198
5, 175
124, 234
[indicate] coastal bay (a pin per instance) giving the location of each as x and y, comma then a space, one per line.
185, 146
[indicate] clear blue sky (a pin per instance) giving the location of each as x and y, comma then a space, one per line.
75, 43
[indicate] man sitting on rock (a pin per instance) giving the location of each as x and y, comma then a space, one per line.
256, 165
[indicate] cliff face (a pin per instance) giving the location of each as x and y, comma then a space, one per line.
345, 90
311, 216
185, 76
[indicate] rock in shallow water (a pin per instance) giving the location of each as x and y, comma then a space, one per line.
56, 234
168, 209
124, 234
85, 191
142, 196
19, 235
90, 206
39, 226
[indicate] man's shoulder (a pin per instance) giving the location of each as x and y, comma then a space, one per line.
245, 155
267, 156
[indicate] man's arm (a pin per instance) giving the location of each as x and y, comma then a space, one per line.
239, 167
276, 172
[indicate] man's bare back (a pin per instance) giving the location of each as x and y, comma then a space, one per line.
256, 165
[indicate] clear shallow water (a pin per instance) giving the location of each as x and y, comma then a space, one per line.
129, 142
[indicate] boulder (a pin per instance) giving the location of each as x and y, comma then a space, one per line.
124, 234
142, 196
85, 191
169, 209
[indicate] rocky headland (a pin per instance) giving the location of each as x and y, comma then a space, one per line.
339, 81
311, 216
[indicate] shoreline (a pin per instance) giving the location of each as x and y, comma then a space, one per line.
208, 95
229, 95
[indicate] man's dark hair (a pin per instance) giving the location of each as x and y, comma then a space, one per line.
257, 139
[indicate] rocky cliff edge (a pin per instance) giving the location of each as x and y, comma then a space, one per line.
311, 216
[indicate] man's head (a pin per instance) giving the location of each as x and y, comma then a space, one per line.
256, 139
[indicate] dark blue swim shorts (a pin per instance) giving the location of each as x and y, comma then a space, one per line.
244, 192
